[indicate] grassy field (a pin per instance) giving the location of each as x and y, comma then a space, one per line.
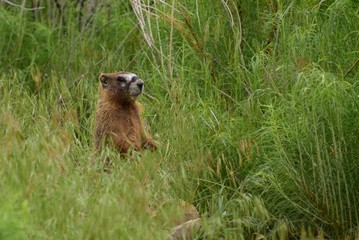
254, 105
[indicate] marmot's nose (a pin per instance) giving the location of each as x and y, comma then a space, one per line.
140, 84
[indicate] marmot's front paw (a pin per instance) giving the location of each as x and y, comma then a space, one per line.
150, 145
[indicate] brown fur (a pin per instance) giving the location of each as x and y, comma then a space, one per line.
118, 120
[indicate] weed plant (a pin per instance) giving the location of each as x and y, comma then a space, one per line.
254, 106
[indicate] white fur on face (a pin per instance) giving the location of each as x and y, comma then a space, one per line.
135, 86
128, 76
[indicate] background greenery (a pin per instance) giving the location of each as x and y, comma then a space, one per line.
254, 105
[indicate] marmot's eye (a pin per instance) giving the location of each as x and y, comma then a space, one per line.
120, 79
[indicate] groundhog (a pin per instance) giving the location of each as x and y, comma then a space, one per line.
118, 120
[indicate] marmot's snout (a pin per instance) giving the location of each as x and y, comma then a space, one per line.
140, 84
136, 86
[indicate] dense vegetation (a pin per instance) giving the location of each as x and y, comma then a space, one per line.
254, 104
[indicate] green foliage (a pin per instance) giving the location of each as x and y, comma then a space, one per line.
254, 106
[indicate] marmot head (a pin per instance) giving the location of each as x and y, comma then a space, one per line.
123, 85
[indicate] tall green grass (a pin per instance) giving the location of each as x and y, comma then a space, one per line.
254, 106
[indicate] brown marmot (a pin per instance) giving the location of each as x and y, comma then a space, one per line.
118, 120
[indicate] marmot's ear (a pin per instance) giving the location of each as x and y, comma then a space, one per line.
104, 80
